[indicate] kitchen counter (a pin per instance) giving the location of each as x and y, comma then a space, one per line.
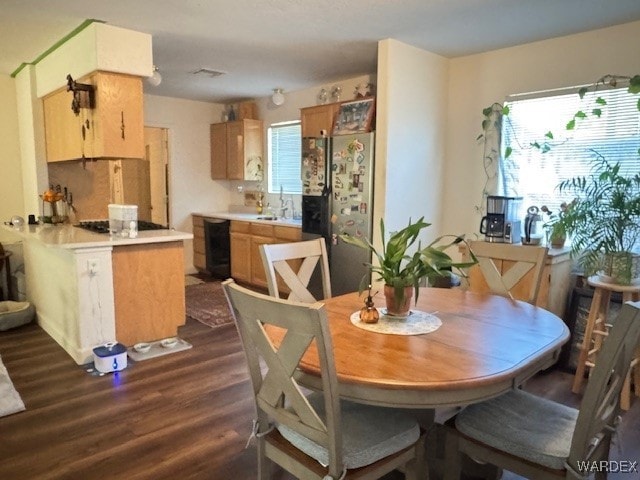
252, 217
89, 288
70, 237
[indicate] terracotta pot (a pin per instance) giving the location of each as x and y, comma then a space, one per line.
558, 242
398, 308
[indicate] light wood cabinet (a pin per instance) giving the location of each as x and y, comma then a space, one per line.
246, 238
113, 129
148, 287
237, 150
315, 119
199, 252
240, 251
554, 286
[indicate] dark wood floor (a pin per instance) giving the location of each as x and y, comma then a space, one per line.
185, 415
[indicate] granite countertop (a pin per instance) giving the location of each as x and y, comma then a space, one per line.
252, 217
70, 237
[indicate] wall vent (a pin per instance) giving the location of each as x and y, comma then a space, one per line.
209, 72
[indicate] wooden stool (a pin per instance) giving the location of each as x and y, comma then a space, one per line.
597, 329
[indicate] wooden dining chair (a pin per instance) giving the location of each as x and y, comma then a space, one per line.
505, 266
281, 260
538, 438
317, 436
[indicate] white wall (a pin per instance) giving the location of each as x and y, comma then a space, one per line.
479, 80
410, 147
191, 188
31, 136
11, 177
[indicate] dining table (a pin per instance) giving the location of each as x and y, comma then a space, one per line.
482, 345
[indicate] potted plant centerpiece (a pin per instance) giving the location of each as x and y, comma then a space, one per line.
402, 271
604, 221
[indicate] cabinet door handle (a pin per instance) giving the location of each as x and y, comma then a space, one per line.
122, 124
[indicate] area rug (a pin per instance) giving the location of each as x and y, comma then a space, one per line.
10, 401
206, 303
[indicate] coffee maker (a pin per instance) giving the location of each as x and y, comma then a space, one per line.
502, 223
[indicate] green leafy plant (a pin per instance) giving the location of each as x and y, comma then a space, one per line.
604, 219
556, 225
399, 269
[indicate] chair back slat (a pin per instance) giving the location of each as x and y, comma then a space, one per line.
279, 261
504, 266
272, 365
601, 402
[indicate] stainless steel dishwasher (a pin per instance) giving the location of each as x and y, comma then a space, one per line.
217, 247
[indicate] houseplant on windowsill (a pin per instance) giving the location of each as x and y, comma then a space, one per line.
402, 271
604, 221
555, 227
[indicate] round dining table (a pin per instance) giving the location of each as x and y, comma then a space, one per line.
485, 346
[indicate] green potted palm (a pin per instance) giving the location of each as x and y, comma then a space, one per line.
402, 271
604, 221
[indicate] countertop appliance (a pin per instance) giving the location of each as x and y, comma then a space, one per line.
337, 179
102, 226
502, 223
533, 226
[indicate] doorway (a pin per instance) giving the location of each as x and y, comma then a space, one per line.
156, 145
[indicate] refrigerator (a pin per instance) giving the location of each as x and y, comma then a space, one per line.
337, 188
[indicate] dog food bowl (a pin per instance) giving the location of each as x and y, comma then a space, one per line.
169, 342
143, 347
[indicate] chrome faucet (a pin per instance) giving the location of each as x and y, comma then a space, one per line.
285, 204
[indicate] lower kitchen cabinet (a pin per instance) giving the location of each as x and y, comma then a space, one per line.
199, 252
148, 288
554, 286
240, 251
246, 238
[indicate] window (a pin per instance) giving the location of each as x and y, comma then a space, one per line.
534, 175
284, 157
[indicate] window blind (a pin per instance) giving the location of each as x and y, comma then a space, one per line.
535, 175
285, 157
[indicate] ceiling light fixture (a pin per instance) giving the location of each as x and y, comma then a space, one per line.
277, 98
155, 79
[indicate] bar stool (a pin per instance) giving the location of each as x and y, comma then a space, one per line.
597, 329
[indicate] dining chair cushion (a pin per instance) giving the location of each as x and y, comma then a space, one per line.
524, 425
368, 433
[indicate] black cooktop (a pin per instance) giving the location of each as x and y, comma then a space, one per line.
102, 226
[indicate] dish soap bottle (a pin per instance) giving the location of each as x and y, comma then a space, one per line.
259, 206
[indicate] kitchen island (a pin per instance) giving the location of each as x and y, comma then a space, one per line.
89, 288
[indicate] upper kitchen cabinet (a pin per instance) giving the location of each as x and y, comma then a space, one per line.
314, 120
113, 129
237, 150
